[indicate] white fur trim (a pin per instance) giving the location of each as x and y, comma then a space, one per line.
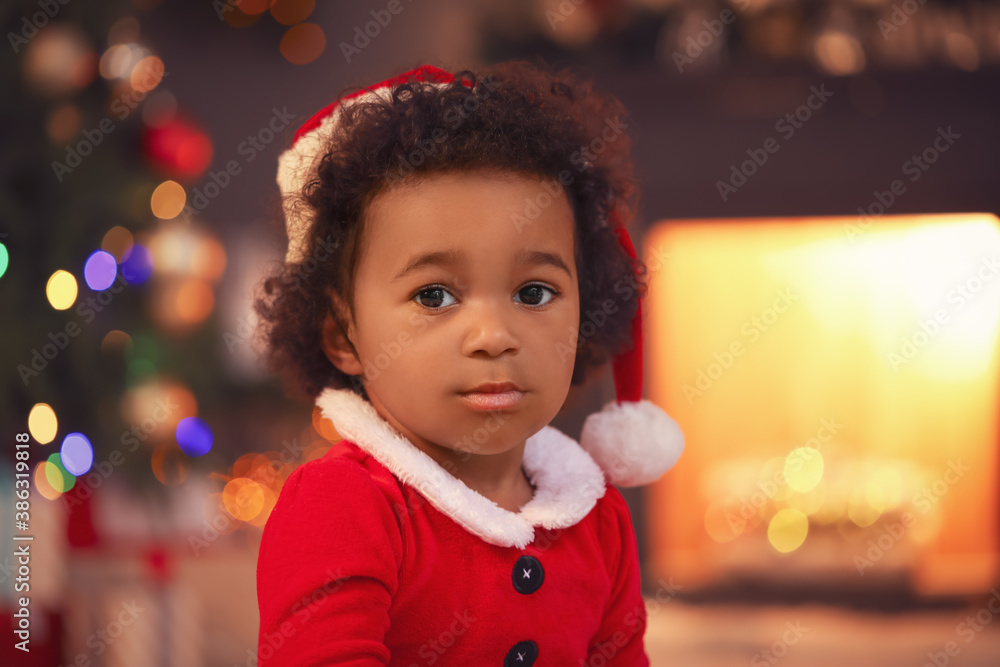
298, 164
294, 168
568, 482
633, 442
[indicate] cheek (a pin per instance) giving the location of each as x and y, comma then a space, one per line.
399, 341
572, 313
558, 339
571, 329
378, 327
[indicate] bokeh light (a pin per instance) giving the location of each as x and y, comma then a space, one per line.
962, 51
243, 498
124, 30
239, 18
194, 436
140, 368
3, 259
148, 347
116, 62
316, 449
186, 251
169, 464
244, 464
268, 471
137, 265
803, 469
323, 426
57, 475
268, 501
787, 530
179, 148
884, 488
255, 6
59, 60
839, 53
61, 289
76, 453
147, 74
42, 423
116, 342
193, 301
811, 502
42, 483
154, 408
770, 480
290, 12
303, 43
208, 261
100, 270
117, 241
168, 200
859, 510
64, 123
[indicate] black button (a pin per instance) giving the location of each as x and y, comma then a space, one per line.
527, 574
522, 655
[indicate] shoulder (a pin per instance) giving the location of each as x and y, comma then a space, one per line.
344, 476
334, 520
335, 501
336, 511
612, 507
615, 531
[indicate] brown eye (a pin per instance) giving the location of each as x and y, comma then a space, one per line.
535, 294
436, 295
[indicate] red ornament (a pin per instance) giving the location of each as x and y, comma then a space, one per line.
179, 149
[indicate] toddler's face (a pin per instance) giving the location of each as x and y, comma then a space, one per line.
475, 314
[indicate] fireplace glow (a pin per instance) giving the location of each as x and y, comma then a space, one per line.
837, 384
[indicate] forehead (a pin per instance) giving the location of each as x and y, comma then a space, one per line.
490, 217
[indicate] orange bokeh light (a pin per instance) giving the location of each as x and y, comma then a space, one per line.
303, 43
169, 464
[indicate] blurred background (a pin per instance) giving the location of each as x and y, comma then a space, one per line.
818, 213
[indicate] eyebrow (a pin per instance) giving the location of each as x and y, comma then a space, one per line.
453, 257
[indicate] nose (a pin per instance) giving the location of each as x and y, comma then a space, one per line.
489, 329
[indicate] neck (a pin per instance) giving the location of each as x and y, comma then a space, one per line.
498, 477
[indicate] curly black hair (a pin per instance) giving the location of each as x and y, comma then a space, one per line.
516, 116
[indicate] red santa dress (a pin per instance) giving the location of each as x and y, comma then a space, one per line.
375, 555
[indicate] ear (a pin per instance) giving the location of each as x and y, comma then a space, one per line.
336, 345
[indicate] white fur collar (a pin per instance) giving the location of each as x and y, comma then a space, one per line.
567, 480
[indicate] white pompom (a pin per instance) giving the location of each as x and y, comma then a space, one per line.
634, 442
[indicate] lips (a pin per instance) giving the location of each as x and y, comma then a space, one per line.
493, 388
493, 396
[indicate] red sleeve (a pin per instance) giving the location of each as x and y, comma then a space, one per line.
618, 642
327, 569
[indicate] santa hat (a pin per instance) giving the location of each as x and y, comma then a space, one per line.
631, 439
